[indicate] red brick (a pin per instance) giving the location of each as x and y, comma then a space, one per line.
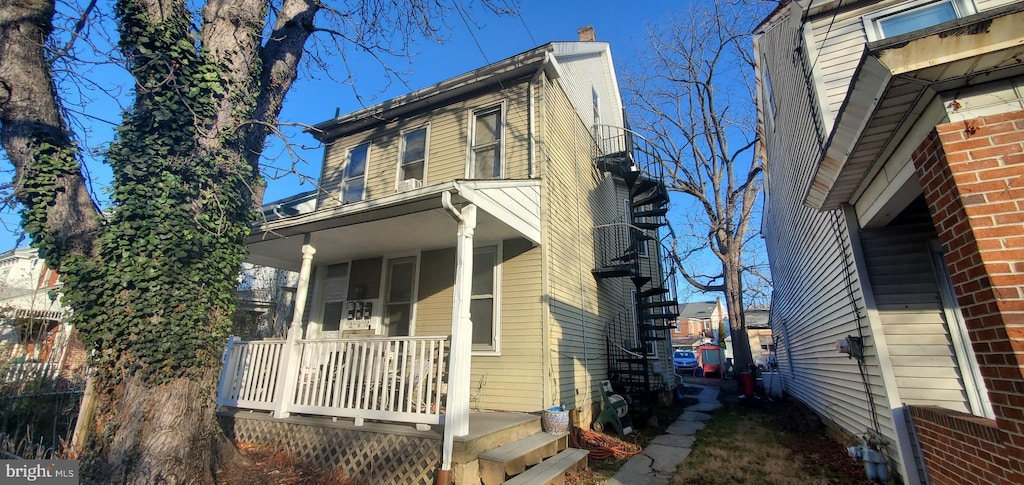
1008, 136
991, 209
1008, 116
946, 136
1014, 242
1006, 172
966, 145
994, 232
990, 129
1014, 159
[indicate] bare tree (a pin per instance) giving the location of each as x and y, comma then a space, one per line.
693, 97
151, 279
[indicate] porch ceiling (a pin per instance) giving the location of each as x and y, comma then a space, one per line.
895, 81
402, 223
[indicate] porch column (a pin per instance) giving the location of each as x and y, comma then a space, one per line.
456, 415
302, 290
288, 372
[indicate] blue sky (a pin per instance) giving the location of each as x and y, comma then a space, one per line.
470, 44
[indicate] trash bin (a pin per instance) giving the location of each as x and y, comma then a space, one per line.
747, 381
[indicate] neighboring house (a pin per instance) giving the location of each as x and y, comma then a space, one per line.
759, 334
894, 216
697, 319
35, 343
486, 242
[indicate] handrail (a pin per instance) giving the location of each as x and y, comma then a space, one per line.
400, 379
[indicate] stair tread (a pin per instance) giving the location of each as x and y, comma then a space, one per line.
653, 292
644, 326
618, 270
548, 470
513, 458
656, 304
520, 447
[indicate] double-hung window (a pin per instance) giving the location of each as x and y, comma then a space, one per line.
915, 15
485, 146
354, 174
413, 155
483, 305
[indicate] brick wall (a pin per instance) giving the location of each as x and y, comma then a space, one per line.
972, 173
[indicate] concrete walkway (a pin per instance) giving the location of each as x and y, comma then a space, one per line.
657, 463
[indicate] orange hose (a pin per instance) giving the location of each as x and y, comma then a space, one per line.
602, 446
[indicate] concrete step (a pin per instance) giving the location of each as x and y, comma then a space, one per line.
552, 471
513, 458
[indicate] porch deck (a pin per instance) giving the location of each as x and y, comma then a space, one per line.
378, 452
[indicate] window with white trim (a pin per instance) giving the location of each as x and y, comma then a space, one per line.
483, 304
353, 180
916, 15
485, 143
768, 94
413, 155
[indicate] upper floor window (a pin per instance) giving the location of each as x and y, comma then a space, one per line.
413, 156
916, 15
485, 149
354, 174
768, 94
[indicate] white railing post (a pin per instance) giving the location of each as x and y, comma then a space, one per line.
288, 375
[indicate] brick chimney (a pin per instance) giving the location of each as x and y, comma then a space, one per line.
586, 34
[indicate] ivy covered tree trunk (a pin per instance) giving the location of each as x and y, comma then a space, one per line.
151, 281
152, 286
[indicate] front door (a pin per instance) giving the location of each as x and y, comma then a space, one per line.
398, 296
334, 309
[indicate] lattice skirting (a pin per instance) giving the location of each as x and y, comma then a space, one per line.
369, 456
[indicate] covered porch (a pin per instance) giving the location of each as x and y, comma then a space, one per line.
358, 347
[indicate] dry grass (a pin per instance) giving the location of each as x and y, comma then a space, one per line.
768, 443
274, 467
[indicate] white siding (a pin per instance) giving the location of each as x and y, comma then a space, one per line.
837, 42
586, 69
814, 303
907, 298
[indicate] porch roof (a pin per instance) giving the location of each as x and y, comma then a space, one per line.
897, 78
400, 223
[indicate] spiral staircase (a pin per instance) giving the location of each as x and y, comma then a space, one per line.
625, 251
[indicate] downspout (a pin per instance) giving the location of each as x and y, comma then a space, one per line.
531, 156
456, 416
582, 270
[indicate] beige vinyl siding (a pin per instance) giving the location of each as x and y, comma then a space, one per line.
511, 378
447, 148
811, 302
573, 206
907, 297
435, 291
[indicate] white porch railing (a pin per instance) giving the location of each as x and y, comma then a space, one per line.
395, 379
